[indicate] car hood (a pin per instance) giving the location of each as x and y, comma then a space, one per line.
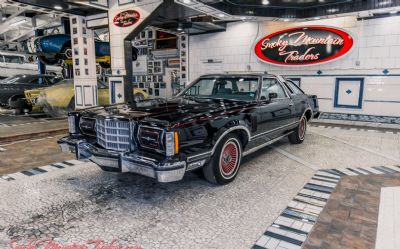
174, 112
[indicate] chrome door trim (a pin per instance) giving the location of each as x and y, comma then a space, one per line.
264, 144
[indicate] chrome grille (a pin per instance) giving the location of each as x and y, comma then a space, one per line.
113, 134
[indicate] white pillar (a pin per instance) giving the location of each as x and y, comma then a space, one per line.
84, 63
123, 18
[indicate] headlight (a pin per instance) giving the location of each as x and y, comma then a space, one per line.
171, 143
73, 120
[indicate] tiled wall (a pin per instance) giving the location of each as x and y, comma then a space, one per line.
376, 48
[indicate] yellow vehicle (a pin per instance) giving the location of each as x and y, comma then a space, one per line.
60, 98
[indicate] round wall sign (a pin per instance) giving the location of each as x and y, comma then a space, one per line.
126, 18
304, 46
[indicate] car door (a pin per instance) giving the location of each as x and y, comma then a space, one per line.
275, 109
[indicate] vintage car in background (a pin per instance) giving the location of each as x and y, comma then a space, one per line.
12, 88
211, 124
60, 98
51, 49
13, 63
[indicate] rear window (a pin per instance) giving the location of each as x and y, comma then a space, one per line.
294, 87
13, 59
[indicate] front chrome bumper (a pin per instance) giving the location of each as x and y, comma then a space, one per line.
163, 170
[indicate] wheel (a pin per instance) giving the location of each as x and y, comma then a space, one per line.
139, 97
18, 102
68, 53
224, 164
297, 137
49, 59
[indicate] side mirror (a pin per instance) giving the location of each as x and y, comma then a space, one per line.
273, 95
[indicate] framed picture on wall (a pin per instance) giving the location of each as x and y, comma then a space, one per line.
163, 85
141, 85
349, 93
156, 85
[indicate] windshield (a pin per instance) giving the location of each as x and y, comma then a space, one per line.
234, 88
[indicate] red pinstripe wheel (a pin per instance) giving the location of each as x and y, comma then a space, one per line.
229, 158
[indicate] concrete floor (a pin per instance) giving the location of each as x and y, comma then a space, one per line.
82, 202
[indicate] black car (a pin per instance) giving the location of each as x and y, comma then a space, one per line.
212, 124
12, 88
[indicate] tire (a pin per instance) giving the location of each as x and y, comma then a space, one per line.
19, 102
139, 97
225, 163
48, 60
298, 136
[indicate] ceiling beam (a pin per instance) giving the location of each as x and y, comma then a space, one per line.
5, 26
30, 31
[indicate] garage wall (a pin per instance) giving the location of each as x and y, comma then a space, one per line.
375, 58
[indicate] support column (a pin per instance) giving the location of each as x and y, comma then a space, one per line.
84, 63
125, 21
41, 65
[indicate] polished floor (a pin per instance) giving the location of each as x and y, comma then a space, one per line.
82, 202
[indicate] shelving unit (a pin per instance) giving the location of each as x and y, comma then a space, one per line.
161, 68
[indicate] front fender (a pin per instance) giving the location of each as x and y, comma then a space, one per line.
239, 126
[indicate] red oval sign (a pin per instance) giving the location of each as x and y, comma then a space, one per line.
304, 46
126, 18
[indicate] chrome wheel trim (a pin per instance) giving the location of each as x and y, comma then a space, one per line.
302, 128
236, 158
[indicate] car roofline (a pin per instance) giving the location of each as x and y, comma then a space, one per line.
238, 74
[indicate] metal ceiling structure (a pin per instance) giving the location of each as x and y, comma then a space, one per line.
298, 9
20, 18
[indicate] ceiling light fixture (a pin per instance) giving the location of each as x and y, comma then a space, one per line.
393, 12
58, 7
187, 1
264, 2
383, 3
18, 23
332, 10
180, 28
221, 15
317, 18
286, 19
3, 18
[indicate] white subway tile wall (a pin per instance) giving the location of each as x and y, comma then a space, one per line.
376, 48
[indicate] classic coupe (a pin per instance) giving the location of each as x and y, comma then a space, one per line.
211, 124
12, 88
59, 99
51, 49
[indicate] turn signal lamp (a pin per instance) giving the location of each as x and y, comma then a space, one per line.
171, 143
